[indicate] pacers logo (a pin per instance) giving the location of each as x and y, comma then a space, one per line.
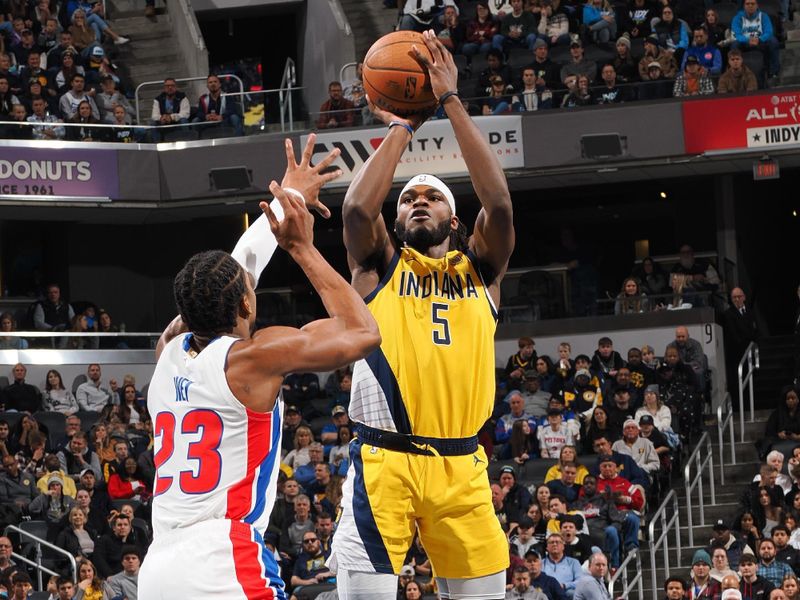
411, 88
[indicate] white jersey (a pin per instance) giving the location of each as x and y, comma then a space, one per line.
214, 458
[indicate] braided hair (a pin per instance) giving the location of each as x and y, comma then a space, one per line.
459, 239
208, 290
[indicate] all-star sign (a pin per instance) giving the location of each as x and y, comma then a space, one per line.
433, 149
760, 121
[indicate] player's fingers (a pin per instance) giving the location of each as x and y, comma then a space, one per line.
327, 161
283, 198
322, 210
330, 176
308, 151
271, 218
420, 57
291, 163
434, 45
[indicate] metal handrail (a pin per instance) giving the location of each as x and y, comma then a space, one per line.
672, 523
350, 65
180, 80
622, 573
753, 360
727, 405
288, 81
690, 484
37, 564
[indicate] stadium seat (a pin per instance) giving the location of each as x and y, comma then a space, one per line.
320, 405
560, 55
143, 525
118, 504
589, 461
461, 63
599, 55
181, 135
12, 418
54, 422
3, 381
214, 133
479, 63
317, 424
145, 389
88, 419
637, 48
755, 61
519, 57
496, 466
534, 471
35, 528
79, 379
39, 596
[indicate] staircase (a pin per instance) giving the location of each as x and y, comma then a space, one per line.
777, 363
727, 504
150, 55
368, 20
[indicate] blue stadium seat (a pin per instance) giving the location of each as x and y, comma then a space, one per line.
79, 379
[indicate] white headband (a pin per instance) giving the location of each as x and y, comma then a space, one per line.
433, 182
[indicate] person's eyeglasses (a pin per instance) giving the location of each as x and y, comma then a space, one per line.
5, 545
309, 540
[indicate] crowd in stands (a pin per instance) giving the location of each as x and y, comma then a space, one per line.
527, 55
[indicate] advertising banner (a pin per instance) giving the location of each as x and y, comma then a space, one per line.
433, 149
759, 122
64, 172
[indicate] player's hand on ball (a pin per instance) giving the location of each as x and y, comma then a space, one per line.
415, 120
442, 69
306, 178
297, 227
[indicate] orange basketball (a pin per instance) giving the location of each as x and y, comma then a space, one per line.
393, 79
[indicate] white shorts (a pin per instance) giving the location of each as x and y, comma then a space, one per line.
208, 561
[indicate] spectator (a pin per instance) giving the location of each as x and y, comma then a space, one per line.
354, 91
339, 453
128, 483
336, 111
125, 134
306, 474
606, 360
566, 485
619, 410
109, 548
90, 587
640, 449
494, 67
516, 402
77, 537
672, 33
599, 427
417, 15
521, 362
21, 585
627, 497
523, 540
576, 545
775, 460
32, 458
708, 56
659, 440
523, 444
577, 91
675, 588
701, 585
92, 395
692, 81
582, 394
18, 131
639, 16
77, 456
715, 29
651, 277
7, 98
610, 91
517, 29
604, 521
739, 324
631, 299
641, 374
521, 588
791, 587
311, 576
53, 506
109, 98
66, 68
547, 73
21, 396
752, 30
52, 466
784, 552
6, 548
84, 38
297, 528
69, 104
291, 421
214, 107
450, 31
678, 385
480, 31
17, 487
532, 96
125, 583
568, 456
539, 580
700, 276
657, 86
654, 53
300, 456
44, 132
720, 567
553, 26
623, 63
171, 106
593, 585
56, 397
563, 569
691, 353
578, 65
554, 436
598, 17
733, 546
7, 325
516, 497
769, 569
25, 47
100, 27
784, 422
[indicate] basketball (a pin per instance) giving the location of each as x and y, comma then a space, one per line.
393, 79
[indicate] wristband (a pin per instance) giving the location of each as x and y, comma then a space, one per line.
405, 126
443, 98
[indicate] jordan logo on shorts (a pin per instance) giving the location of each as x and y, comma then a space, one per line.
477, 460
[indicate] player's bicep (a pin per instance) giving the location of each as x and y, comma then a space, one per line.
493, 237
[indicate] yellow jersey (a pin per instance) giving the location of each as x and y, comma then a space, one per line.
433, 374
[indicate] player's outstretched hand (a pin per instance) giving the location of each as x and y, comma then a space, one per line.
415, 120
296, 230
441, 66
306, 178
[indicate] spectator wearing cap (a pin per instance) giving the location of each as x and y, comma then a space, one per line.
517, 29
578, 64
770, 568
657, 86
626, 466
53, 506
737, 79
525, 358
110, 97
540, 580
627, 497
125, 583
26, 47
516, 403
648, 431
291, 421
701, 585
654, 53
593, 585
330, 431
52, 466
535, 400
752, 585
567, 571
214, 107
554, 436
480, 31
553, 26
582, 394
546, 71
623, 62
734, 547
692, 81
639, 448
523, 540
708, 56
516, 497
521, 588
568, 416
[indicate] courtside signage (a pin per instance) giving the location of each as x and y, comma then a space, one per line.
60, 172
762, 122
433, 150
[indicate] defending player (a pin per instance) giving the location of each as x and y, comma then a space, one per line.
215, 402
421, 398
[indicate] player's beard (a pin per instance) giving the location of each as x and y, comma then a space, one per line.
421, 239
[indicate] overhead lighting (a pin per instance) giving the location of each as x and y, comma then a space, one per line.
663, 195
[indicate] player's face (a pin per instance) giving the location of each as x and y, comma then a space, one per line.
424, 218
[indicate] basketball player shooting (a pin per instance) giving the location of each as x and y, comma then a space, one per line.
421, 398
215, 400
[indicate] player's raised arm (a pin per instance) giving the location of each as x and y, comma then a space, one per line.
493, 239
365, 233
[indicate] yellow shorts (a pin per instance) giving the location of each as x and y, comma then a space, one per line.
388, 495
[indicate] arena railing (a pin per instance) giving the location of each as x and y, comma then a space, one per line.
39, 543
660, 546
288, 82
60, 339
752, 360
160, 83
703, 460
632, 559
725, 408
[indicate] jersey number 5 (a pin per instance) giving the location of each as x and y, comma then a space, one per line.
203, 450
441, 333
